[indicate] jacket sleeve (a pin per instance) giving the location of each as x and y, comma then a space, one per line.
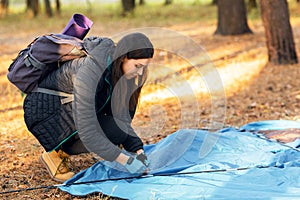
84, 112
132, 142
120, 132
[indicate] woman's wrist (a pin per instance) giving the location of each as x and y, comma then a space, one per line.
140, 151
122, 158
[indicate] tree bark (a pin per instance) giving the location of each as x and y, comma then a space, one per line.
142, 2
278, 31
28, 5
57, 6
4, 7
4, 4
232, 18
128, 6
168, 2
33, 5
48, 8
251, 4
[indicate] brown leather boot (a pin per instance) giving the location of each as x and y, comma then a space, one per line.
57, 165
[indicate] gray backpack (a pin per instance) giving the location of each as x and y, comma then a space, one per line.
43, 55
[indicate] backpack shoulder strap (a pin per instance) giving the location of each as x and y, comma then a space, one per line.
31, 60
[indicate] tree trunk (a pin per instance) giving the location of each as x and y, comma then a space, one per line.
232, 18
128, 6
48, 8
251, 4
4, 4
168, 2
214, 2
33, 5
279, 35
28, 5
142, 2
57, 6
4, 7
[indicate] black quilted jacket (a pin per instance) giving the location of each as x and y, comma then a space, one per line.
50, 121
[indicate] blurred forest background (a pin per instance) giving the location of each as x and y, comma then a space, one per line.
232, 17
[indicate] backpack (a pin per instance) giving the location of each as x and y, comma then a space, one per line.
43, 55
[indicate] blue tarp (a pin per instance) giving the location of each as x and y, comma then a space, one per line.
190, 150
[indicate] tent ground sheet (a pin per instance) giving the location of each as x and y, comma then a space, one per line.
232, 163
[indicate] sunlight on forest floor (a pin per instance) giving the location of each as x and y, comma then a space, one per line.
233, 76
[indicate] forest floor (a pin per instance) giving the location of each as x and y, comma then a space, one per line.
251, 91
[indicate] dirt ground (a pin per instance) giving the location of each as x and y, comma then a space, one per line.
253, 91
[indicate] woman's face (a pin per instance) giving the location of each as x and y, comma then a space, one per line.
134, 67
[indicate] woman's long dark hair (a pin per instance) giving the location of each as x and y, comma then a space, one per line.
132, 46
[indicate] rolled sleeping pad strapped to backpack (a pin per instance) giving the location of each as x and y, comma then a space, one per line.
78, 26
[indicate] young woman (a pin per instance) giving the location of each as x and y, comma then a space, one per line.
106, 85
